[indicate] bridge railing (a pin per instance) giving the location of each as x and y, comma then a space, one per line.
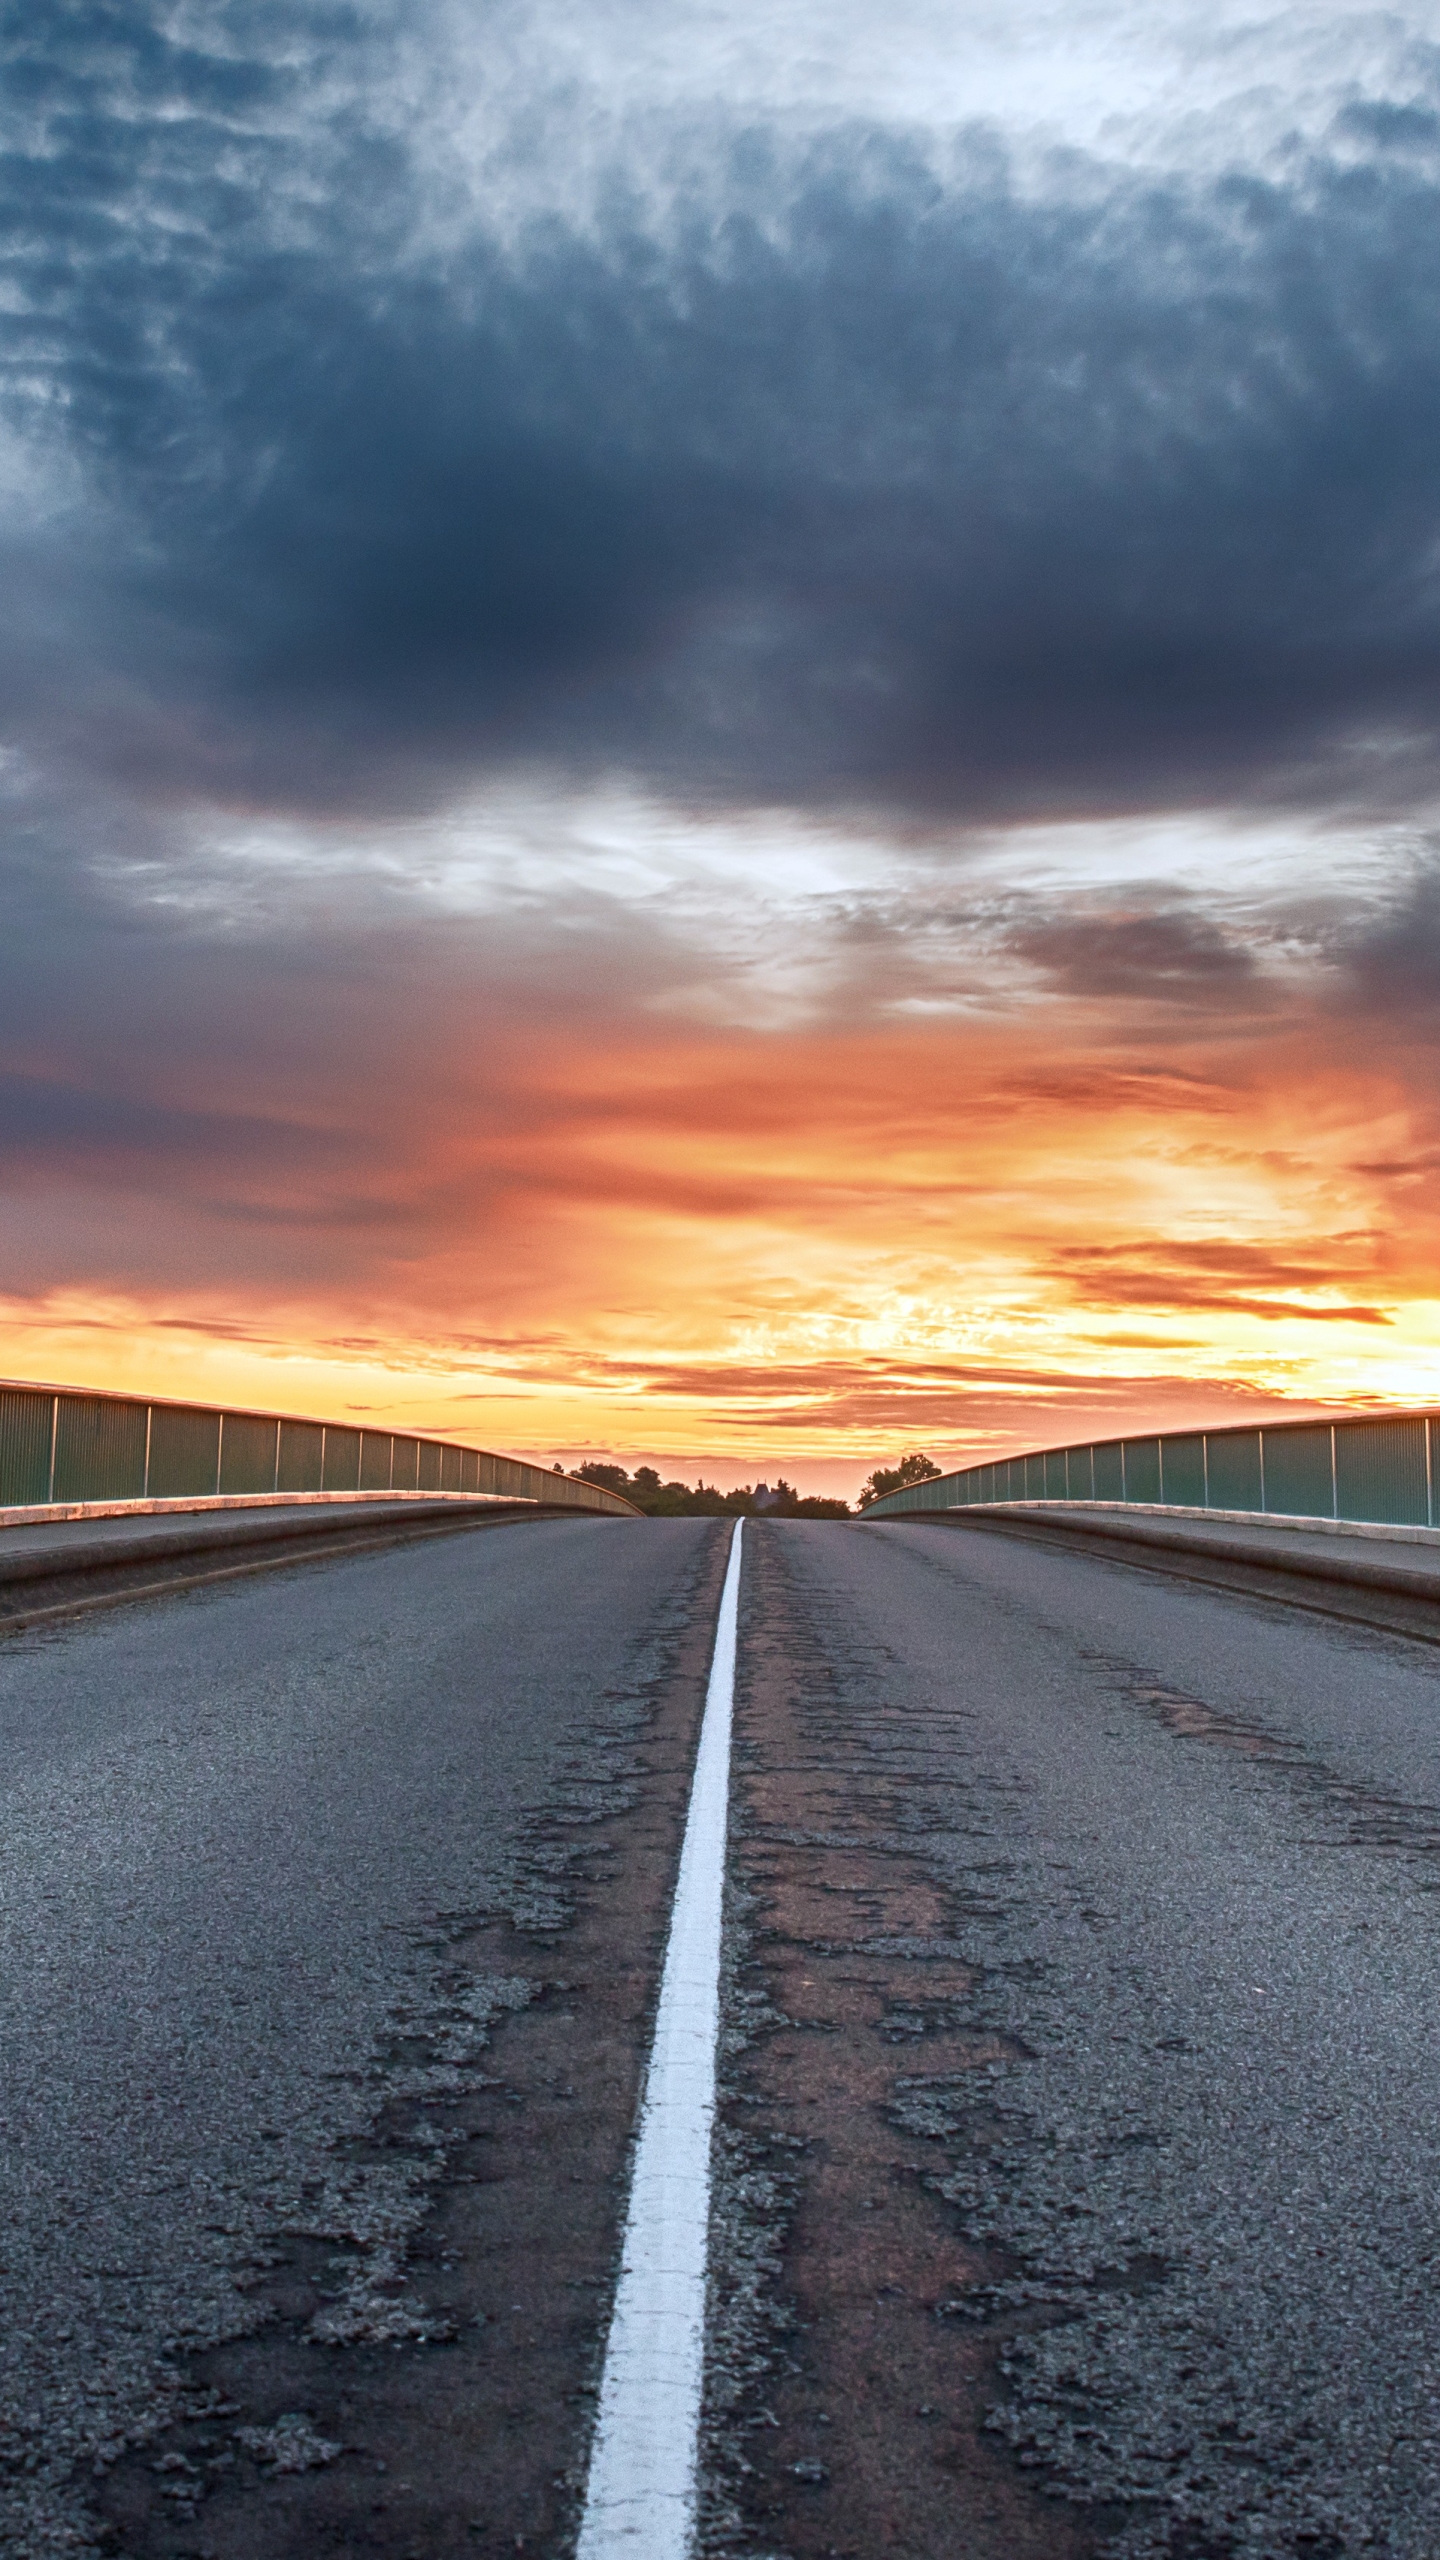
66, 1445
1380, 1469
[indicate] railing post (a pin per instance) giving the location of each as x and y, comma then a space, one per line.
1429, 1478
1205, 1465
54, 1436
1335, 1477
219, 1452
145, 1482
1260, 1438
275, 1487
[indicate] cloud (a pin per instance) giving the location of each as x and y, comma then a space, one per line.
1222, 1279
847, 475
1393, 960
1164, 953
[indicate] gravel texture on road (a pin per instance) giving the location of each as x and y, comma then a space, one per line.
1078, 2176
56, 1568
1388, 1578
287, 1863
1081, 2163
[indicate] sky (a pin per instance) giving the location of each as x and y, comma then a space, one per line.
720, 728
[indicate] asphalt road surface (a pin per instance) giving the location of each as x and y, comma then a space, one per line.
1077, 2171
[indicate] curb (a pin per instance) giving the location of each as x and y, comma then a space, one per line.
65, 1575
1264, 1554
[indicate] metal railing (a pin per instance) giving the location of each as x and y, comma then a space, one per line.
1379, 1469
66, 1445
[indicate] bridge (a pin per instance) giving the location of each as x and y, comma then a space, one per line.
531, 2029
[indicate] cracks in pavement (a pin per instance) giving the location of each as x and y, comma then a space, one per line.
1368, 1817
1132, 2205
846, 2408
1373, 1817
416, 2367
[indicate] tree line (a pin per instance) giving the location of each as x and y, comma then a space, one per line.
778, 1501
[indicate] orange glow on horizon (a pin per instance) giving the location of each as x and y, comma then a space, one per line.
746, 1253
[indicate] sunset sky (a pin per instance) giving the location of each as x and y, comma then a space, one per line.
721, 730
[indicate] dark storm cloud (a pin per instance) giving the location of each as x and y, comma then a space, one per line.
1168, 954
59, 1123
837, 482
1393, 965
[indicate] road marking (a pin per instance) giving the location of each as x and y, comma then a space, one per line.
640, 2497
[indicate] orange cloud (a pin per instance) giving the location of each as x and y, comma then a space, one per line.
588, 1230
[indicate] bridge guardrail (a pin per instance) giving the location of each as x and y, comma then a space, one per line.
1372, 1470
63, 1445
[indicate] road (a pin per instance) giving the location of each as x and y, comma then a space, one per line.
1077, 2170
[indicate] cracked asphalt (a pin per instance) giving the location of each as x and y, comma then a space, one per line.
1089, 1924
279, 1857
1077, 2166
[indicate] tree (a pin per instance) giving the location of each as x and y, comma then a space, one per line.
779, 1501
916, 1469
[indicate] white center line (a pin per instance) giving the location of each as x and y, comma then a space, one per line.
640, 2498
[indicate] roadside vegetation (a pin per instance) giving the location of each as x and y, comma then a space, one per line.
916, 1469
778, 1501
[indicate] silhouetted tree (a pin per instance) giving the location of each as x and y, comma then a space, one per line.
916, 1469
779, 1501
